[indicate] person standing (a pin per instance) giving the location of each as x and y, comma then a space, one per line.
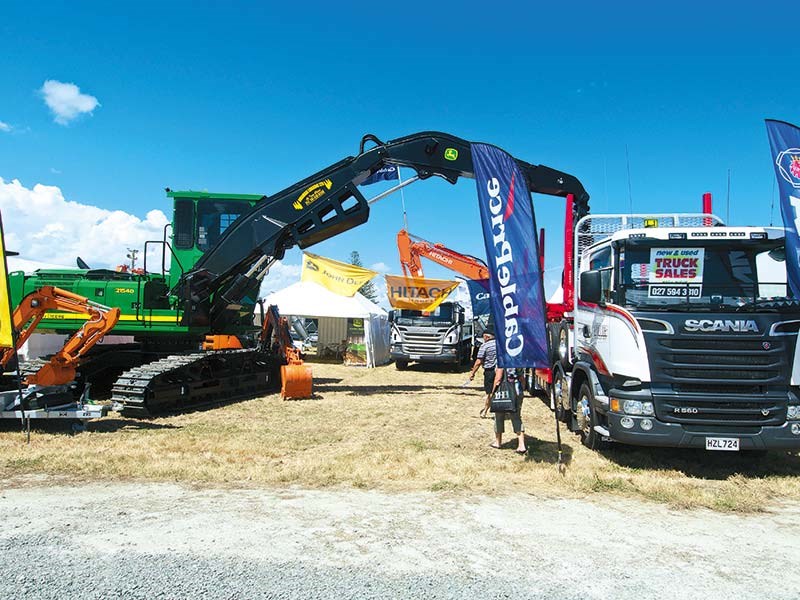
487, 358
513, 376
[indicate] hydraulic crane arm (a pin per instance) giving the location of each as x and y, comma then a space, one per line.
412, 249
323, 205
62, 366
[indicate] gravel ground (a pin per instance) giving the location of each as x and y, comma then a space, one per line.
167, 541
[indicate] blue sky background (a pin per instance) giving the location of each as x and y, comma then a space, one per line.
246, 97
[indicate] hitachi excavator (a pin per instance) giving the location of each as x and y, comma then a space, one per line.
412, 249
214, 295
444, 336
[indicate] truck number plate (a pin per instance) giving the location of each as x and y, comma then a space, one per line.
731, 444
414, 356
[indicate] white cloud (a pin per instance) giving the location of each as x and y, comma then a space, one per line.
280, 276
43, 226
5, 126
66, 101
381, 267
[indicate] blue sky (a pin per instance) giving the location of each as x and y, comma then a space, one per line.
244, 97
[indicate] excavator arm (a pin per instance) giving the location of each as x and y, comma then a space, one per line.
412, 249
296, 380
323, 205
61, 367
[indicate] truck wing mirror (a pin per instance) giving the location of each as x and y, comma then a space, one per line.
591, 287
460, 318
391, 316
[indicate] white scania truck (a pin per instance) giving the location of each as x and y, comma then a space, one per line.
681, 335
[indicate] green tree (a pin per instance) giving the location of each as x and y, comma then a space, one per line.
368, 289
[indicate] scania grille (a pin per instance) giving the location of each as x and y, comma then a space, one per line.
749, 411
425, 342
711, 364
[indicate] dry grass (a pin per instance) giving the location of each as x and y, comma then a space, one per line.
381, 428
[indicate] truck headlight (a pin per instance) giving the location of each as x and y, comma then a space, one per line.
632, 407
793, 412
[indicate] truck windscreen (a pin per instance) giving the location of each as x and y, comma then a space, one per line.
441, 317
724, 275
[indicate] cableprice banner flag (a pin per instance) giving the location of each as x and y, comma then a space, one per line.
385, 173
340, 278
784, 141
418, 293
512, 253
6, 327
479, 295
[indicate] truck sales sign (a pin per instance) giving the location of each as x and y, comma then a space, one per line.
675, 272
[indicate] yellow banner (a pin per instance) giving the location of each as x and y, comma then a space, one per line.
338, 277
6, 328
417, 293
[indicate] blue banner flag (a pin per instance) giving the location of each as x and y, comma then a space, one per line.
479, 295
385, 173
784, 141
509, 233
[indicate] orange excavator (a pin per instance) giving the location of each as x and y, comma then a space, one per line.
413, 249
275, 337
62, 366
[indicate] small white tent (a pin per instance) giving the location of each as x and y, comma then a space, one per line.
311, 300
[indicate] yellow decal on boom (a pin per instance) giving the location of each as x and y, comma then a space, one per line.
312, 194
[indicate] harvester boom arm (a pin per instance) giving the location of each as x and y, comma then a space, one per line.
412, 249
321, 206
26, 317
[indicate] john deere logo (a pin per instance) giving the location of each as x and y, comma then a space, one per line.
651, 222
451, 154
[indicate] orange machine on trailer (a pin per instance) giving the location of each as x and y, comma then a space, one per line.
62, 366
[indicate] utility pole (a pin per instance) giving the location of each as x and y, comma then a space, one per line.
132, 252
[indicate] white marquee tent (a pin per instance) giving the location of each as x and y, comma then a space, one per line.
311, 300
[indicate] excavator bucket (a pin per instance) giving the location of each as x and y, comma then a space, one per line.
295, 381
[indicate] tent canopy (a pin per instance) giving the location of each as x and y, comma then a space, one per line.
309, 299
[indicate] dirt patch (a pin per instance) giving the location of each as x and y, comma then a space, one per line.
384, 429
149, 540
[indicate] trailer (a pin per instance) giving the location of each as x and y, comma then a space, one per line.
39, 403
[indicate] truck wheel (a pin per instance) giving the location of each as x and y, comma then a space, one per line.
562, 346
559, 392
401, 365
586, 418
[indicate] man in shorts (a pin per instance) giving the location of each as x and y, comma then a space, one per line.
487, 358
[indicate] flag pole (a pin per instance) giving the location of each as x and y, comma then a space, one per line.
402, 198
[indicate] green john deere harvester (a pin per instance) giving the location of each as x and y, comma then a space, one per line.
153, 361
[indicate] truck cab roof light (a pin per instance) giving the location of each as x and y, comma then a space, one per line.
699, 234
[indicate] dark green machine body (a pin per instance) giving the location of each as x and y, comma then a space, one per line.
149, 310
